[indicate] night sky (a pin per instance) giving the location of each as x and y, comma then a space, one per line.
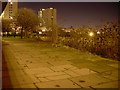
77, 14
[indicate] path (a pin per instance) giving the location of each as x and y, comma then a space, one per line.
39, 65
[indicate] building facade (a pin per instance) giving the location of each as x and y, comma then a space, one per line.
10, 10
47, 17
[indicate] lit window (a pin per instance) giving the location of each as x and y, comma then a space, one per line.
43, 9
9, 0
98, 32
51, 8
11, 17
40, 15
40, 32
11, 3
43, 30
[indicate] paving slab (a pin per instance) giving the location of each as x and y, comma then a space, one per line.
63, 67
71, 73
34, 79
83, 71
59, 62
112, 84
36, 65
112, 75
36, 60
21, 62
38, 70
38, 57
58, 84
89, 80
58, 77
23, 66
114, 65
50, 74
95, 66
43, 79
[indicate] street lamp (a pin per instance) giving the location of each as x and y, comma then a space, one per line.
51, 8
43, 9
91, 34
40, 32
11, 17
43, 30
98, 32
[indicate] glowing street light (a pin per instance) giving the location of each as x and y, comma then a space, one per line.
40, 32
6, 33
43, 9
17, 32
91, 34
51, 8
43, 30
11, 17
98, 32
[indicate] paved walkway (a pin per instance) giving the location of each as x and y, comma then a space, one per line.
39, 65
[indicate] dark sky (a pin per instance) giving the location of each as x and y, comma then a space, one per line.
79, 13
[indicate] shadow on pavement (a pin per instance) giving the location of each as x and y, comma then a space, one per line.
6, 82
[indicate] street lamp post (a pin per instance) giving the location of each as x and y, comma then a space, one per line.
91, 34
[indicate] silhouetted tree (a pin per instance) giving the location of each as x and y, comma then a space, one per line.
27, 19
6, 25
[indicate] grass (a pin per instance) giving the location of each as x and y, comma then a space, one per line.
62, 53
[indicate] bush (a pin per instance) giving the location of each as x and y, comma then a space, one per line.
105, 44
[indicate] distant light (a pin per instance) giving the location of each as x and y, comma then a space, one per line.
18, 28
52, 16
98, 32
1, 33
51, 8
91, 34
40, 24
9, 0
43, 30
43, 9
67, 30
40, 14
40, 32
10, 33
6, 33
17, 32
11, 17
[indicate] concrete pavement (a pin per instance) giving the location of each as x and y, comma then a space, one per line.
39, 65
